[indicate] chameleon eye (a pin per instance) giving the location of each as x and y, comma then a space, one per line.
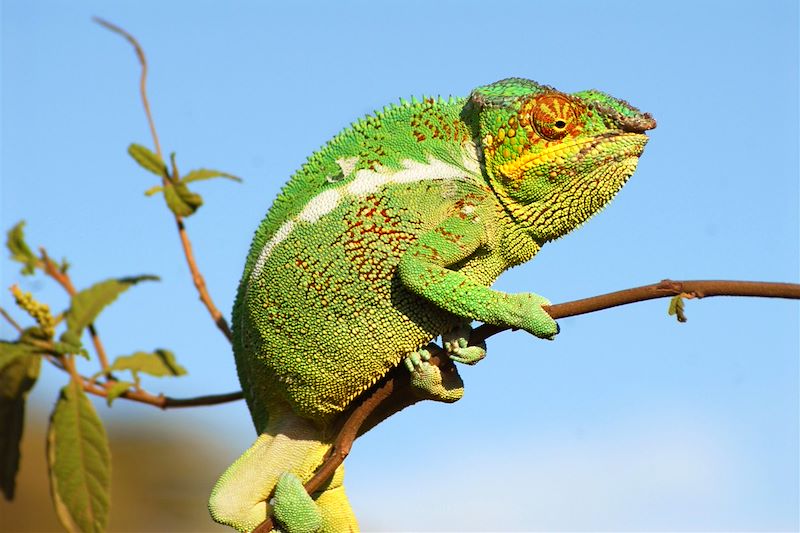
553, 116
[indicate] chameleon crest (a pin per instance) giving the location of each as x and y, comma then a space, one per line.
389, 237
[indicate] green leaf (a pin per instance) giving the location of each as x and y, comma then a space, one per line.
19, 369
148, 160
88, 303
207, 174
79, 461
159, 363
153, 190
195, 175
676, 308
20, 251
114, 391
10, 351
180, 199
70, 348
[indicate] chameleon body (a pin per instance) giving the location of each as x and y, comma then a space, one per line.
388, 237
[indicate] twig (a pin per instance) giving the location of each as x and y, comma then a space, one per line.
161, 401
67, 364
197, 276
200, 282
142, 79
392, 393
62, 278
11, 320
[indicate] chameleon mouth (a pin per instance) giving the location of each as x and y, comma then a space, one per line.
613, 147
638, 124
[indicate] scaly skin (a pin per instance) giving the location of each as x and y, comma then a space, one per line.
389, 237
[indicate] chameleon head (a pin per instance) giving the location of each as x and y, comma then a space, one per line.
555, 159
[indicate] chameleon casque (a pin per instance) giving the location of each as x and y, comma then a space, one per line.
388, 237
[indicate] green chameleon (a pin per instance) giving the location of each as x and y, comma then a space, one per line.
388, 237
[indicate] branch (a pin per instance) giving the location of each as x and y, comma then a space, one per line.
394, 392
161, 401
143, 78
666, 288
10, 320
197, 276
62, 278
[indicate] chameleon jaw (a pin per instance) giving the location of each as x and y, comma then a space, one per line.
618, 146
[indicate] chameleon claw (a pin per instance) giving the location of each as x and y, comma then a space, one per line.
430, 382
415, 359
458, 348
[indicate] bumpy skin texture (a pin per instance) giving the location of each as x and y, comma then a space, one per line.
389, 237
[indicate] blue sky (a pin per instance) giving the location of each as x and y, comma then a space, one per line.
629, 421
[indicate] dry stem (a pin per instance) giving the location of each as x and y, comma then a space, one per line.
197, 276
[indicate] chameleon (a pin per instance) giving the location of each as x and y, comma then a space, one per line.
389, 237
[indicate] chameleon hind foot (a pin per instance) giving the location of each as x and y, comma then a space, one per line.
431, 382
294, 509
456, 343
327, 511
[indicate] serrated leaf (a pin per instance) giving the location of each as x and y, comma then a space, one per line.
88, 303
180, 199
676, 308
114, 391
159, 363
19, 370
20, 251
148, 160
207, 174
79, 462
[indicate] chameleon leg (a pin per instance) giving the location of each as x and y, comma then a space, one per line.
423, 270
240, 498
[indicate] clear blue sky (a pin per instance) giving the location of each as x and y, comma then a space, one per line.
629, 421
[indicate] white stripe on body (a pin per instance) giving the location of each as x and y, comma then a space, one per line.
367, 181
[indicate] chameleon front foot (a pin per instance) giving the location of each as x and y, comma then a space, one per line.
430, 382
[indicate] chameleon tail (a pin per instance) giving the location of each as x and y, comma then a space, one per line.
289, 445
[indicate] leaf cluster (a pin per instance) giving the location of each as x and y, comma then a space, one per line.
77, 449
180, 200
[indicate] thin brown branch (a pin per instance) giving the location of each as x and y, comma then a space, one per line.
161, 401
393, 394
142, 79
200, 282
67, 364
197, 276
62, 278
663, 289
10, 320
